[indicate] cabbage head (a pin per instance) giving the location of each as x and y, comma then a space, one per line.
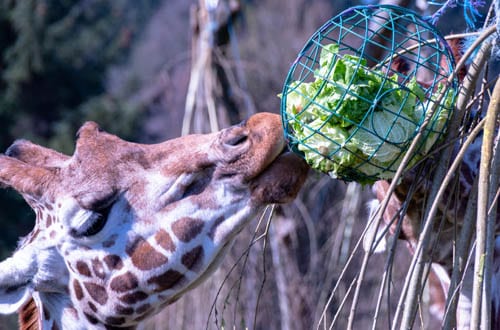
356, 123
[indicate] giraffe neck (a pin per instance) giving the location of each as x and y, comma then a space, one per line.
121, 282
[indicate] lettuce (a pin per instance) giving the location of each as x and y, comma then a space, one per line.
355, 123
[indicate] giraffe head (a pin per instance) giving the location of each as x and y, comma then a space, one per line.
124, 229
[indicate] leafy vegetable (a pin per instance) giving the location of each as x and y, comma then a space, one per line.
356, 123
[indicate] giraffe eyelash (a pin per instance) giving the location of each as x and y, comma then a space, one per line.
94, 224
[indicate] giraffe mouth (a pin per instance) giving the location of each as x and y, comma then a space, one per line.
281, 181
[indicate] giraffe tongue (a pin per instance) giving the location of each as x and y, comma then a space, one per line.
281, 181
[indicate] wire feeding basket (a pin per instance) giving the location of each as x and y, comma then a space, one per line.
360, 89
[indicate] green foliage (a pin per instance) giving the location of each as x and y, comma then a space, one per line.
54, 56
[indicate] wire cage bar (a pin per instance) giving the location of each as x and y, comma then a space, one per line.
362, 87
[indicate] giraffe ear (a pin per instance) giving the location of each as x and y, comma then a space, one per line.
27, 179
34, 154
16, 280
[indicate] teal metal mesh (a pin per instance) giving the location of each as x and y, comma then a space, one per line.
347, 111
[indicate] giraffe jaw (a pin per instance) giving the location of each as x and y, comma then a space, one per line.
281, 181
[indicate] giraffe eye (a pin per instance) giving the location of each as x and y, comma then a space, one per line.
94, 224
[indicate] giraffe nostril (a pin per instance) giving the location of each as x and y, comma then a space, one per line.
236, 140
234, 136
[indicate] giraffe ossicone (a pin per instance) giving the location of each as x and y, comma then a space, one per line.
124, 229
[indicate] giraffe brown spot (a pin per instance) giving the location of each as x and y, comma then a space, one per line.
83, 268
73, 312
92, 307
52, 234
137, 155
122, 310
144, 256
78, 290
132, 298
143, 309
91, 318
164, 240
124, 282
112, 327
141, 318
216, 224
110, 241
187, 228
202, 201
97, 292
115, 320
166, 280
49, 221
193, 258
34, 235
98, 268
113, 262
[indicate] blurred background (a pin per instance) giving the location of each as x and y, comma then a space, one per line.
136, 67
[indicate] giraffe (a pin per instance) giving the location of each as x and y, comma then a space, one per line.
124, 229
406, 208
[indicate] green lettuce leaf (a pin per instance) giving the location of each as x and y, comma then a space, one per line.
356, 123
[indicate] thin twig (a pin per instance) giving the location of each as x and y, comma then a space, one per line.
341, 305
254, 240
414, 279
404, 163
309, 223
465, 94
491, 226
435, 205
429, 41
482, 262
388, 266
344, 270
280, 279
461, 260
264, 271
